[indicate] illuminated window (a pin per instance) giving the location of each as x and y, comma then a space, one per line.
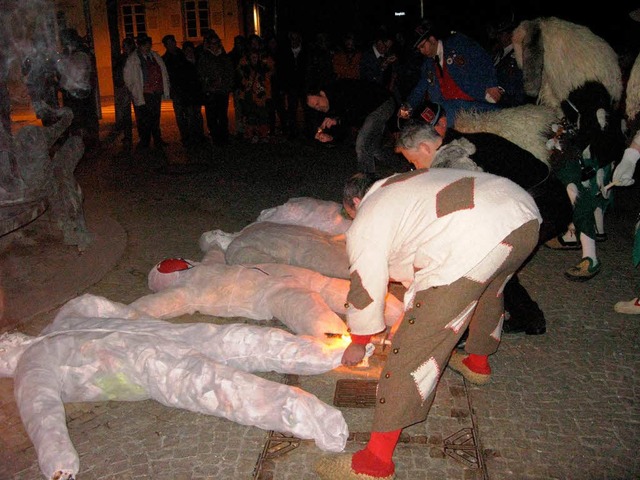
134, 21
196, 18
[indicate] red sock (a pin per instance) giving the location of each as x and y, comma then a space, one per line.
478, 363
375, 459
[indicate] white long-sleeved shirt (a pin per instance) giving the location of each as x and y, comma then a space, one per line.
426, 228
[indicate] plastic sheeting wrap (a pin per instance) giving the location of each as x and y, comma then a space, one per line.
323, 215
299, 298
266, 242
93, 351
304, 300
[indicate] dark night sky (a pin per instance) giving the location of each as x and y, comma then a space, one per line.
610, 20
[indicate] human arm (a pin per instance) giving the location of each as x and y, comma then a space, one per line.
471, 66
37, 389
166, 86
493, 94
418, 94
623, 173
169, 303
327, 123
368, 245
132, 74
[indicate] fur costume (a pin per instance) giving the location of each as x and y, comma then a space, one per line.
632, 106
598, 126
97, 350
456, 155
557, 57
527, 126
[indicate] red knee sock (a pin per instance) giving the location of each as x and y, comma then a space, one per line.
478, 363
375, 459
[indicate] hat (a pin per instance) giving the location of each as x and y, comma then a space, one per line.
427, 112
423, 32
431, 113
505, 22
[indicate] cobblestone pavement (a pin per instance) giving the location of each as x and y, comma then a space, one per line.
563, 405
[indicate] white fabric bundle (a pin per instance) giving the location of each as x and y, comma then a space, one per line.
323, 215
93, 351
306, 301
267, 242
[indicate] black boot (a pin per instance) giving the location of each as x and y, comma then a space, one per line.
532, 324
524, 314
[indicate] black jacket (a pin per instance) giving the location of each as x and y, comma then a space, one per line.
351, 100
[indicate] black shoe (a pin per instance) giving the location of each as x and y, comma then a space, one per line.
530, 327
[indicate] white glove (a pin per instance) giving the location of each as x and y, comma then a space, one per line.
623, 173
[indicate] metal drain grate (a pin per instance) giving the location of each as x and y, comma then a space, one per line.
277, 444
462, 447
355, 393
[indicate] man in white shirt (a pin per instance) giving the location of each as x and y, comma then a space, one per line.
453, 238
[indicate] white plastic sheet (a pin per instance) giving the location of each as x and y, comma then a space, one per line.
324, 215
304, 300
267, 242
93, 351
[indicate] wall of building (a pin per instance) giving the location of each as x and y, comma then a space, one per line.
162, 17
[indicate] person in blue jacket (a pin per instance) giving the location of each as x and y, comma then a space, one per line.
457, 72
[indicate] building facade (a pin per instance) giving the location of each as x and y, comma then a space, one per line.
185, 19
30, 30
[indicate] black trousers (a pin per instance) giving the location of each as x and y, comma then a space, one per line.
216, 108
148, 119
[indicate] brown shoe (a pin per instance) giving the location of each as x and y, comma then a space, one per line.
559, 243
583, 271
338, 467
456, 364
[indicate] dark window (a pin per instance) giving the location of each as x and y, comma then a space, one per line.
196, 18
133, 20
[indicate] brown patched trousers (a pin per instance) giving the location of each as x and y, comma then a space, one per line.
433, 326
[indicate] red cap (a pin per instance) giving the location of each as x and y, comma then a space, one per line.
170, 265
